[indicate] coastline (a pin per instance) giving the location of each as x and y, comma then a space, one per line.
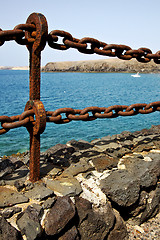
109, 65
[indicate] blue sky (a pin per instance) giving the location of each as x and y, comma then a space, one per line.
134, 23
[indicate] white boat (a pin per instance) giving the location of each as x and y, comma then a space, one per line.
136, 75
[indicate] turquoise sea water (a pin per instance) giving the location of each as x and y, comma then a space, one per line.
76, 90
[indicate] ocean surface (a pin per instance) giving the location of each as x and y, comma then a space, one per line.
76, 90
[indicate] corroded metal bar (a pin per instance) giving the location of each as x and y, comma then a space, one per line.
40, 35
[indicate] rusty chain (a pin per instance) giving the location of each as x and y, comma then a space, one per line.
86, 114
101, 112
85, 45
111, 50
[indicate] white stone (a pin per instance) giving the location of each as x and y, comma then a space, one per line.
138, 228
155, 151
120, 164
147, 159
91, 191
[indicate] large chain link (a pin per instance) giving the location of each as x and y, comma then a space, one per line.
90, 45
8, 123
18, 34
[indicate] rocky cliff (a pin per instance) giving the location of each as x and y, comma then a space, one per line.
106, 65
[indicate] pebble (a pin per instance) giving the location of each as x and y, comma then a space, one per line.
149, 230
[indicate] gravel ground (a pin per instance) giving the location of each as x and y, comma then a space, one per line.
149, 230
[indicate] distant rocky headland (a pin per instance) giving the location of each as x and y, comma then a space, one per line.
104, 65
13, 68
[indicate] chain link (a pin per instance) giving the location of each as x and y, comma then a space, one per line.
8, 123
111, 50
17, 34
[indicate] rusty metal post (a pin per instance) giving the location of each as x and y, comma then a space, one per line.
37, 125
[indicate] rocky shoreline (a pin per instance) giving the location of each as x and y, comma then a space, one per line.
106, 65
105, 189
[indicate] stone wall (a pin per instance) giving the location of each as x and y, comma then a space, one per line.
87, 190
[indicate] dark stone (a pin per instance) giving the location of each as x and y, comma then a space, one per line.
79, 145
144, 147
144, 139
154, 165
6, 167
18, 159
26, 157
71, 234
125, 135
37, 209
10, 197
119, 153
65, 186
85, 154
76, 168
82, 206
138, 155
93, 225
28, 185
120, 230
111, 147
59, 154
45, 168
2, 183
127, 144
18, 174
121, 188
144, 132
155, 129
39, 192
144, 171
102, 163
59, 216
9, 212
29, 223
49, 203
137, 208
153, 205
156, 144
7, 231
18, 164
102, 141
19, 184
